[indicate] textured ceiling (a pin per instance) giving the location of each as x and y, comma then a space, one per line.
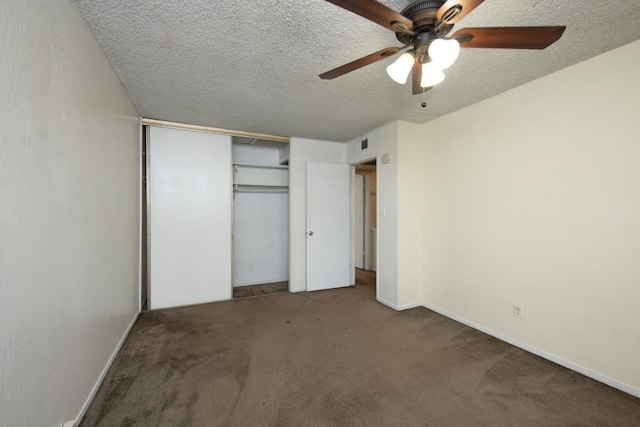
253, 65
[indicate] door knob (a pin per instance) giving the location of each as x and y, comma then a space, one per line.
311, 233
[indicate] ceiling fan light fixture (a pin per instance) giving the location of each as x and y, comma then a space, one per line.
431, 75
444, 52
399, 70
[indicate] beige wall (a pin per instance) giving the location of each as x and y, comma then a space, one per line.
533, 197
69, 212
410, 187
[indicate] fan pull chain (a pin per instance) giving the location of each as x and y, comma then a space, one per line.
424, 103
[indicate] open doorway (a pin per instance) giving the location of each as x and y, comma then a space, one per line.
365, 225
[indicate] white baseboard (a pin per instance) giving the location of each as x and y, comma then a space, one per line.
399, 307
409, 306
387, 303
555, 359
392, 305
104, 371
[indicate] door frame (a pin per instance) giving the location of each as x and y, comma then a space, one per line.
367, 222
367, 218
360, 258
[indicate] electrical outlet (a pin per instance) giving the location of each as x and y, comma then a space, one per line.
517, 311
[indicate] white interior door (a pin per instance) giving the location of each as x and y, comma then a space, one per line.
189, 217
358, 232
328, 221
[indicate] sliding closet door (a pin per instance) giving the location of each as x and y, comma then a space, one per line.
189, 217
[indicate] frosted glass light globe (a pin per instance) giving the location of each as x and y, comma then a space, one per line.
431, 75
399, 70
444, 52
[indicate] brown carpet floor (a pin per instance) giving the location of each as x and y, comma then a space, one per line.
337, 358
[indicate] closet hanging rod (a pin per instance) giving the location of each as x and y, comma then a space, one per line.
254, 165
261, 190
262, 185
265, 190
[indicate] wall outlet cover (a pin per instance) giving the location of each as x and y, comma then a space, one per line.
517, 311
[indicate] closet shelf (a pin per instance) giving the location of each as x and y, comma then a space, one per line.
253, 165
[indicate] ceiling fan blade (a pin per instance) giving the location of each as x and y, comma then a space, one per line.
359, 63
416, 78
509, 37
376, 12
454, 10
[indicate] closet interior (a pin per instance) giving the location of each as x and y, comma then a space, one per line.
260, 217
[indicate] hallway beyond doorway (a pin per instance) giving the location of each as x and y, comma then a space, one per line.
366, 278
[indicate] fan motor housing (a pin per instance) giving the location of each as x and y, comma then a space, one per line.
423, 14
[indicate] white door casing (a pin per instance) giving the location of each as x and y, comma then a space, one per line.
359, 221
328, 225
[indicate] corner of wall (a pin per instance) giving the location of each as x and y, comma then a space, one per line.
409, 201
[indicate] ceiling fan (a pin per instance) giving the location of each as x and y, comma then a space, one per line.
422, 28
